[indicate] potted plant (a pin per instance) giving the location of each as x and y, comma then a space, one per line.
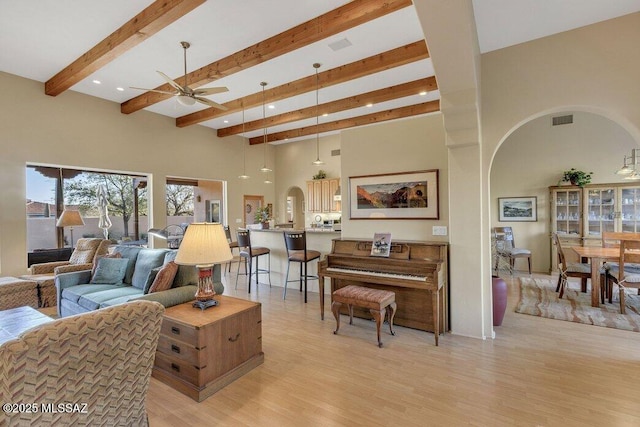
262, 216
577, 177
320, 175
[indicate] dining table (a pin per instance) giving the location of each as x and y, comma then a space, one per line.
596, 256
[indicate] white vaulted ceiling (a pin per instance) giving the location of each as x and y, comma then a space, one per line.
39, 38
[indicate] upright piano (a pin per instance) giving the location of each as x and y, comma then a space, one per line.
415, 271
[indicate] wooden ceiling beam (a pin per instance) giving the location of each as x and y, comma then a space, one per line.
145, 24
427, 84
352, 14
364, 67
382, 116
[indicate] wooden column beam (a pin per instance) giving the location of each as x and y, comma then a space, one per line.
393, 92
382, 116
145, 24
364, 67
350, 15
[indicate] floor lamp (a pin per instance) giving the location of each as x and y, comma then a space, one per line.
70, 218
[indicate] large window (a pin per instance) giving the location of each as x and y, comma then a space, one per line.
50, 190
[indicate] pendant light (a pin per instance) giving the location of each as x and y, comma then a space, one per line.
317, 161
264, 138
244, 154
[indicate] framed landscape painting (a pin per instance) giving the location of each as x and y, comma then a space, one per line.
406, 195
518, 209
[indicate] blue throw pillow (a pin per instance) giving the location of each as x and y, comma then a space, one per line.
110, 271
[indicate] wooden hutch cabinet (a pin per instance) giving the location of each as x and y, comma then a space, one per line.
581, 215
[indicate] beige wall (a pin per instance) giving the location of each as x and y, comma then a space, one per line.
534, 156
75, 130
401, 146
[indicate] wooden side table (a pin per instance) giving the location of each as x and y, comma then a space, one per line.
201, 351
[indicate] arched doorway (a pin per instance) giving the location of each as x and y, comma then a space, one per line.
294, 207
533, 156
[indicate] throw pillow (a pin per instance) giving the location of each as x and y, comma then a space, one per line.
98, 257
164, 278
110, 271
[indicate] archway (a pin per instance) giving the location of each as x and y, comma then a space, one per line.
294, 207
533, 155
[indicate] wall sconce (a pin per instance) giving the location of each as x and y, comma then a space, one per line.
198, 198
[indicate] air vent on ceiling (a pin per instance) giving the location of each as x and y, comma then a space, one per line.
335, 153
562, 120
340, 44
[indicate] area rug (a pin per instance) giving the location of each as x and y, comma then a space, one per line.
538, 297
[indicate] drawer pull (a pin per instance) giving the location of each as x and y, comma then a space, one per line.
175, 330
234, 339
175, 367
175, 348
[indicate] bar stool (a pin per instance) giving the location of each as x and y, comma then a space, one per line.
249, 252
232, 245
296, 243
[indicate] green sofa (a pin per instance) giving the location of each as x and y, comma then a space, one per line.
76, 294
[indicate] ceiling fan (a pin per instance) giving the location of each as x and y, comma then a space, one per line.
185, 95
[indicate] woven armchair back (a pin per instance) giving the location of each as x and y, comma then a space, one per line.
100, 360
85, 250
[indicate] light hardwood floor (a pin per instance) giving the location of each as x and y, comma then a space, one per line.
537, 372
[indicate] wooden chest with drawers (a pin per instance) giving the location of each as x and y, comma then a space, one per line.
200, 352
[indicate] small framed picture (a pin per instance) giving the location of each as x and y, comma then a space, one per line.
518, 209
381, 244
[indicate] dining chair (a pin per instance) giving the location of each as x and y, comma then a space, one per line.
296, 244
248, 253
626, 272
232, 245
506, 248
570, 269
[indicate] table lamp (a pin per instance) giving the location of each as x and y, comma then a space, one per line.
204, 244
70, 218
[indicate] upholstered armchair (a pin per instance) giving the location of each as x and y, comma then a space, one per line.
81, 258
99, 361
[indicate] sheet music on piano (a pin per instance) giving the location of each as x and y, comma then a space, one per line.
381, 245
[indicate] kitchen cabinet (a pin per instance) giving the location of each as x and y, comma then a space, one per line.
320, 195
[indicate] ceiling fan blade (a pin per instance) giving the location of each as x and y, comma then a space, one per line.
210, 103
171, 82
210, 90
153, 90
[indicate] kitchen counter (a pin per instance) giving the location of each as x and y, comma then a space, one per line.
273, 238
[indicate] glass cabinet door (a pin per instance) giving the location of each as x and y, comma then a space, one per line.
630, 209
601, 211
567, 212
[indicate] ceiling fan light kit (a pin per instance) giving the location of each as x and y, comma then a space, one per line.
184, 94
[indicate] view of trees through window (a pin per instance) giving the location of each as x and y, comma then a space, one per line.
179, 200
79, 191
126, 197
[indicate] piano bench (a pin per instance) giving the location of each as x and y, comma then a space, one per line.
378, 301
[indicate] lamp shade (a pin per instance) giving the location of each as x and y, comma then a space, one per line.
204, 243
69, 218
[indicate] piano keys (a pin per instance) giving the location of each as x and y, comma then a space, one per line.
415, 271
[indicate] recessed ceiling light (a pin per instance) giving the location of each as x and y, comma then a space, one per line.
97, 82
423, 93
369, 105
325, 114
271, 107
121, 89
226, 121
